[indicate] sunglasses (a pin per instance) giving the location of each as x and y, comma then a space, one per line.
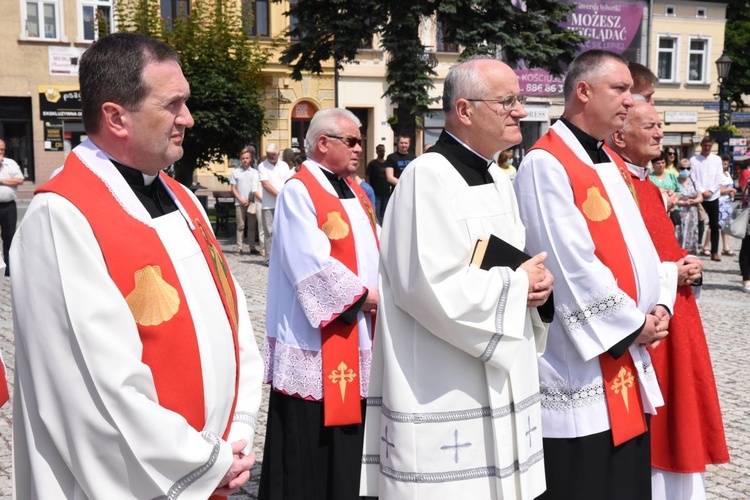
684, 168
348, 140
671, 153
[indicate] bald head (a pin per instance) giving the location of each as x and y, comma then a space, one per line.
639, 140
483, 106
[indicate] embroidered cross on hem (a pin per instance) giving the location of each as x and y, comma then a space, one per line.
388, 444
455, 446
531, 429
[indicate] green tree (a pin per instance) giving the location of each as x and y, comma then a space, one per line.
736, 41
333, 29
223, 67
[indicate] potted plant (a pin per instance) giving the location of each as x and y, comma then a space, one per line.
722, 133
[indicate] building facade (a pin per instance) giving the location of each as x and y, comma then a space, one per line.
43, 39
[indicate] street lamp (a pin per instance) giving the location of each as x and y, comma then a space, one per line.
723, 65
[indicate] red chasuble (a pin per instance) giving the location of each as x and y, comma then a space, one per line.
340, 342
142, 270
687, 433
626, 416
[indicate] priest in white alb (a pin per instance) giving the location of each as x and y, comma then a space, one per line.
613, 296
453, 406
137, 372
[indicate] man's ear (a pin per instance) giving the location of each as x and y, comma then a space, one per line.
618, 138
464, 111
583, 91
115, 119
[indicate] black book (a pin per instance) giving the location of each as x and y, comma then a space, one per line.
495, 252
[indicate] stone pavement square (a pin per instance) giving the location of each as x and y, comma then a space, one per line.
725, 310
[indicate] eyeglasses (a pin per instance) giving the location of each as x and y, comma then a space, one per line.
684, 168
509, 103
348, 140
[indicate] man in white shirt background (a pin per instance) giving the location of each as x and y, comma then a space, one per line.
10, 178
245, 184
708, 175
273, 174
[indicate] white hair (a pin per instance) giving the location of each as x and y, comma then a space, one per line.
327, 122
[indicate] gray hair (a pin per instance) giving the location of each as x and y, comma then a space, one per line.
587, 65
464, 81
327, 122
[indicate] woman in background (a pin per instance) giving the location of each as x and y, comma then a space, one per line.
687, 204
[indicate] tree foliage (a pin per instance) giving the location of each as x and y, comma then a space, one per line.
223, 67
736, 41
333, 29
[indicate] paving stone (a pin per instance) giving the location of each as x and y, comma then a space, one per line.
724, 307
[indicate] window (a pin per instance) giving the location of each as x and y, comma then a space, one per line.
95, 19
667, 59
670, 10
443, 30
365, 43
700, 12
293, 23
42, 19
697, 57
255, 18
174, 9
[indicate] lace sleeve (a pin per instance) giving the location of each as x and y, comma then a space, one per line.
327, 293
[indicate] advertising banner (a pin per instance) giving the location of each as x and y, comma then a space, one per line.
613, 26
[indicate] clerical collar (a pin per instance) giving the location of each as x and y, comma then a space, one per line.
488, 161
640, 172
153, 195
132, 176
339, 184
593, 146
472, 166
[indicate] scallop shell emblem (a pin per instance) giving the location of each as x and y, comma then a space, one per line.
153, 301
596, 208
335, 227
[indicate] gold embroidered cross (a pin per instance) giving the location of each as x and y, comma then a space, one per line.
342, 375
623, 382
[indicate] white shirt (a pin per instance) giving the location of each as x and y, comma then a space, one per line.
9, 169
247, 181
277, 175
708, 174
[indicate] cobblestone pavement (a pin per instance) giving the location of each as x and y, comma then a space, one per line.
725, 309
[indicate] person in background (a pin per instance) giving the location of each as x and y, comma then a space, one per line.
643, 81
137, 371
246, 191
273, 174
10, 178
742, 179
726, 204
365, 187
503, 161
397, 161
376, 177
745, 248
287, 156
688, 203
672, 161
668, 185
708, 176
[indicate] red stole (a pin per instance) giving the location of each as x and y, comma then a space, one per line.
620, 376
142, 270
340, 342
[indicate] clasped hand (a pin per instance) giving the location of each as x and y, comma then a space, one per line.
239, 472
540, 280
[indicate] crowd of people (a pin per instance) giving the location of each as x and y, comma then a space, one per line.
413, 343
